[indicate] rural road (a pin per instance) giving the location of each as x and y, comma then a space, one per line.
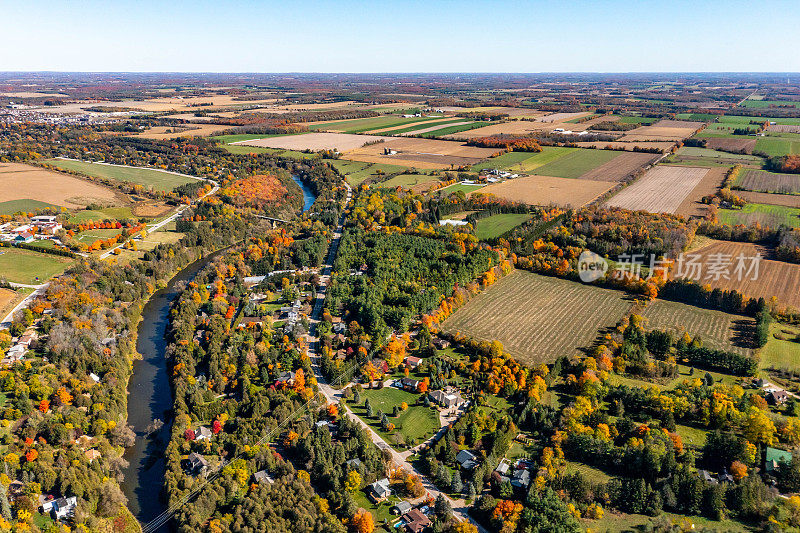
39, 289
333, 395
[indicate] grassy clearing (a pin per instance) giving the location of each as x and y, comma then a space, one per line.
525, 161
766, 215
408, 180
89, 236
147, 177
409, 129
693, 151
637, 522
539, 318
577, 163
25, 266
415, 424
456, 129
108, 213
456, 187
28, 206
358, 171
774, 146
243, 150
691, 436
782, 351
760, 104
718, 330
595, 475
496, 225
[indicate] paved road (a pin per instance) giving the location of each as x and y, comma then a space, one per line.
39, 289
333, 395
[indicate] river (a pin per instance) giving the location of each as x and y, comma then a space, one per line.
150, 395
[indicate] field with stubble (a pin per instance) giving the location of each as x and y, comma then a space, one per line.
546, 190
539, 318
23, 182
661, 190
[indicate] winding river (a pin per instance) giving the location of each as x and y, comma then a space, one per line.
150, 394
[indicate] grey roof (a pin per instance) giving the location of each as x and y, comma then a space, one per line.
381, 487
402, 507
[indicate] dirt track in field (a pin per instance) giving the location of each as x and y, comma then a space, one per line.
661, 190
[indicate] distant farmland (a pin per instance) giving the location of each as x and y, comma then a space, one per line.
538, 318
147, 177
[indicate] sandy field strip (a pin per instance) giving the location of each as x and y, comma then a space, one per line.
661, 190
197, 130
617, 145
620, 167
721, 143
562, 117
787, 200
539, 318
710, 184
318, 141
775, 278
546, 190
23, 182
670, 130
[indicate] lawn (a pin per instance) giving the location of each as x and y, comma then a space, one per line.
577, 163
638, 522
691, 436
28, 206
496, 225
413, 425
25, 266
782, 351
89, 236
147, 177
595, 475
766, 215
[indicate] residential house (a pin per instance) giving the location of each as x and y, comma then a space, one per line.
416, 521
262, 476
777, 397
339, 327
521, 478
286, 377
92, 454
410, 384
412, 362
441, 344
379, 490
247, 321
401, 508
202, 433
94, 377
197, 464
448, 397
354, 463
467, 459
60, 508
773, 458
503, 467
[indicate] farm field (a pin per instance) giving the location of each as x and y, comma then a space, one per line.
10, 298
147, 177
788, 200
510, 127
661, 146
782, 350
777, 147
692, 205
765, 215
25, 266
538, 318
722, 331
453, 128
577, 163
357, 172
763, 181
112, 213
409, 181
313, 141
661, 190
421, 127
524, 161
663, 130
759, 104
620, 167
194, 130
775, 278
713, 153
28, 206
370, 124
545, 190
26, 183
420, 153
463, 187
496, 225
730, 144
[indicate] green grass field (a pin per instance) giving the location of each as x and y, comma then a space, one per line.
577, 163
240, 149
360, 125
644, 121
693, 151
525, 161
777, 146
28, 206
25, 266
148, 177
415, 424
456, 129
782, 351
409, 129
225, 139
766, 215
357, 171
496, 225
760, 104
408, 180
450, 189
110, 213
89, 236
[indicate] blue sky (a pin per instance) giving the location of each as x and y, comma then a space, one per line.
409, 36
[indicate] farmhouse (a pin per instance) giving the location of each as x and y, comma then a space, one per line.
379, 491
777, 397
441, 344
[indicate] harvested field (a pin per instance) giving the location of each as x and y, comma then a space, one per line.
763, 181
663, 130
783, 128
786, 200
316, 141
775, 278
661, 190
545, 190
438, 126
620, 167
663, 146
195, 130
156, 179
577, 163
511, 127
539, 318
23, 182
732, 145
562, 117
420, 153
710, 184
524, 161
721, 331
